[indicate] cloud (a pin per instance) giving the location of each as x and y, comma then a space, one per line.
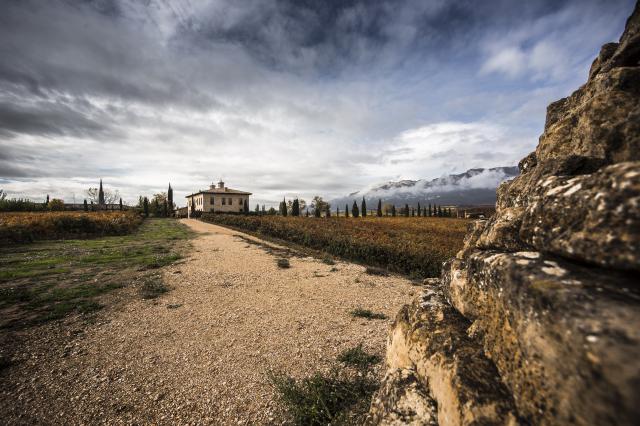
280, 97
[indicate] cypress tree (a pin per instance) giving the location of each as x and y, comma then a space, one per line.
46, 203
337, 211
379, 212
86, 206
145, 207
328, 210
346, 210
264, 209
120, 204
393, 210
364, 207
439, 211
100, 195
419, 210
284, 207
406, 210
170, 198
424, 211
316, 211
429, 209
354, 210
295, 208
257, 208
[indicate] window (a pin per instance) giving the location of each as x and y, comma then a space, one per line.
224, 201
211, 200
230, 201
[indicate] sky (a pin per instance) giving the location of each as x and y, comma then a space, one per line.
280, 97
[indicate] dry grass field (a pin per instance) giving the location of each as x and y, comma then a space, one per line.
28, 226
413, 245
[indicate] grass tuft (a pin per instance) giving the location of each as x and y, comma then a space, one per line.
328, 260
152, 287
283, 263
323, 399
366, 313
358, 357
372, 270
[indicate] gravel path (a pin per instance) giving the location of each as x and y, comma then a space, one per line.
200, 353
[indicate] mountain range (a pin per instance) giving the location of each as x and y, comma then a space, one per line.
473, 187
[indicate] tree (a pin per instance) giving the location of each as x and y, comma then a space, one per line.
101, 195
47, 202
170, 199
110, 197
429, 209
145, 206
406, 210
328, 214
364, 207
165, 208
346, 210
419, 210
272, 211
56, 205
120, 203
284, 207
318, 204
424, 211
439, 211
86, 206
264, 209
257, 210
379, 211
307, 209
355, 212
393, 210
295, 208
337, 211
93, 207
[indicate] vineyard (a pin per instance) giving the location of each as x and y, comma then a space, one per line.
413, 245
27, 227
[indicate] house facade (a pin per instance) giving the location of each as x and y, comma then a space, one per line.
218, 199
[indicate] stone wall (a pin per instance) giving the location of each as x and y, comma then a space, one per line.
537, 319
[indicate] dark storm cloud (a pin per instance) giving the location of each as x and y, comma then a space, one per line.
49, 119
282, 95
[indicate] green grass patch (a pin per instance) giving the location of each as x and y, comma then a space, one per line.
366, 313
358, 357
51, 279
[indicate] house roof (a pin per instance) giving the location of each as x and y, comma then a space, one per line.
219, 191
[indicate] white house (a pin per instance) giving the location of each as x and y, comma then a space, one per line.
218, 199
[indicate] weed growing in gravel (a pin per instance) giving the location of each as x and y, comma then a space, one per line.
324, 398
152, 287
359, 358
283, 263
328, 260
372, 270
366, 313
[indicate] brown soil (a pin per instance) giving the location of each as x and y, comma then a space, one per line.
199, 354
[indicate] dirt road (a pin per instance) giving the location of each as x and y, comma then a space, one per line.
200, 353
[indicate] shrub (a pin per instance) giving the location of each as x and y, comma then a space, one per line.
27, 227
406, 245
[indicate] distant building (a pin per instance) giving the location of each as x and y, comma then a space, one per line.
218, 199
